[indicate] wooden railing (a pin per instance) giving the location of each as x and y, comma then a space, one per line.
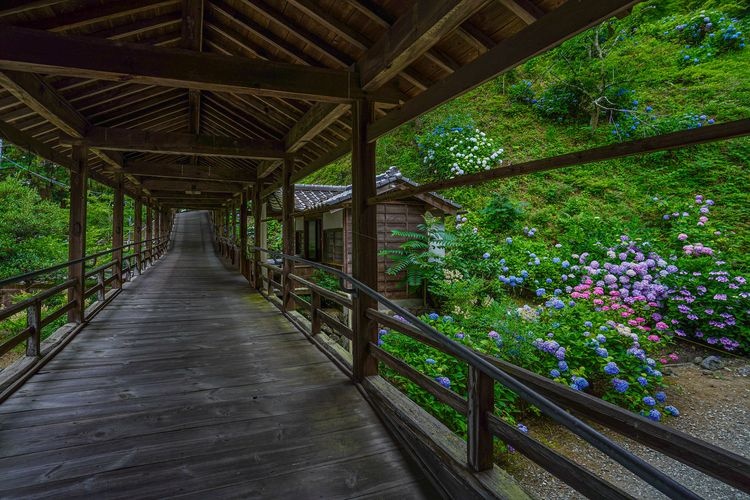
561, 404
99, 284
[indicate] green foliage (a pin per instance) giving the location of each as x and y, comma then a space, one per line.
325, 280
415, 257
33, 232
500, 214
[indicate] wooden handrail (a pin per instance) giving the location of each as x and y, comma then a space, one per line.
531, 389
33, 305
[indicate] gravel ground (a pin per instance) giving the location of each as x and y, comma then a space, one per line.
714, 406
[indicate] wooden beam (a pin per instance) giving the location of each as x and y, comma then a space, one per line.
414, 33
193, 186
192, 39
364, 241
423, 25
41, 97
559, 25
527, 10
121, 139
17, 6
77, 231
38, 51
314, 121
186, 171
29, 143
674, 140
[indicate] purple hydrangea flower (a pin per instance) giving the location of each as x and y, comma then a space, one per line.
554, 373
620, 385
611, 368
562, 365
444, 381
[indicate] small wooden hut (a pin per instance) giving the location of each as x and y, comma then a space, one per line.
323, 224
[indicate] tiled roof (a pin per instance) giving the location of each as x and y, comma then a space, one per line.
312, 196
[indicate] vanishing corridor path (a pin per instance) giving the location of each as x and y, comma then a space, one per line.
189, 383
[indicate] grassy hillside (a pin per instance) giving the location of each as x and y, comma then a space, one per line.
581, 205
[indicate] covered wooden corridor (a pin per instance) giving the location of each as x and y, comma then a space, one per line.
190, 383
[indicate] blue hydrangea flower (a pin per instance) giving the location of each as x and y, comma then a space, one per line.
485, 255
600, 351
459, 335
508, 240
540, 292
643, 381
601, 338
660, 396
620, 385
430, 361
523, 428
433, 316
579, 383
611, 368
654, 415
562, 365
672, 410
444, 381
649, 401
587, 324
554, 373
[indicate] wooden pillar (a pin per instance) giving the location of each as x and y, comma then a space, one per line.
149, 232
287, 231
138, 234
481, 403
364, 239
118, 208
234, 219
257, 217
77, 230
243, 235
226, 222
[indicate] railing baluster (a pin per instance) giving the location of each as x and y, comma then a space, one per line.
34, 321
100, 283
315, 316
481, 403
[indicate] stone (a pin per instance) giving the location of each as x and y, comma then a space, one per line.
744, 371
697, 360
712, 363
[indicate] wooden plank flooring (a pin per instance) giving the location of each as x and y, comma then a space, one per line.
188, 384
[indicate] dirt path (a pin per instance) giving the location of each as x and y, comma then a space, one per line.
714, 406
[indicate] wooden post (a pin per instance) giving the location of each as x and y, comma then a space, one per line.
34, 321
117, 223
138, 235
481, 402
149, 232
287, 231
243, 234
364, 240
77, 229
257, 212
315, 314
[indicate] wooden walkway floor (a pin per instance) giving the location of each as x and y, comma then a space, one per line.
188, 384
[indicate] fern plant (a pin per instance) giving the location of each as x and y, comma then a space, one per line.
415, 257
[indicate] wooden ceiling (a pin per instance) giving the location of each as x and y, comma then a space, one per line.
210, 95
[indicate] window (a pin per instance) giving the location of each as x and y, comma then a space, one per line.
299, 238
333, 246
312, 234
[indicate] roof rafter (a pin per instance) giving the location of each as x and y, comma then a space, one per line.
121, 139
86, 57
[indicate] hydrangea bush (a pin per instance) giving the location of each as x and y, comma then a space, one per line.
706, 35
452, 149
